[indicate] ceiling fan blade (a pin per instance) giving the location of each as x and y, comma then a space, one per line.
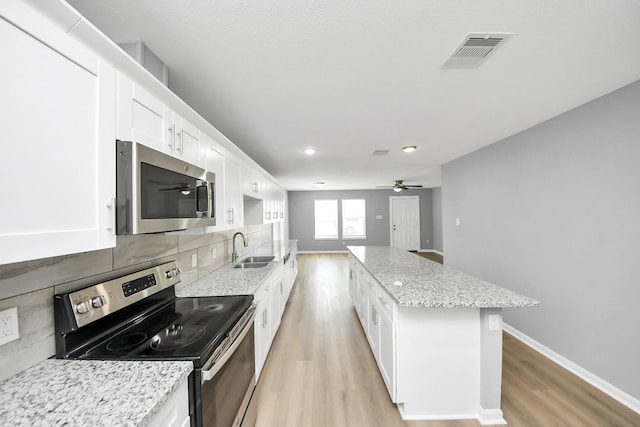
415, 186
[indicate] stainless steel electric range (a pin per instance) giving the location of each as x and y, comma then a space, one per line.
138, 317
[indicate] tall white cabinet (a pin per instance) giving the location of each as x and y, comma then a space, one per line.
57, 109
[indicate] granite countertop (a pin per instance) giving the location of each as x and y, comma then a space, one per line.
238, 281
93, 393
414, 281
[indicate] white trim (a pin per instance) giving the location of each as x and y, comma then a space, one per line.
608, 388
490, 416
413, 417
324, 252
430, 250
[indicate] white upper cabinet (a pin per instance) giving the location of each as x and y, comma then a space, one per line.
140, 115
228, 184
58, 161
234, 211
183, 139
214, 162
252, 184
144, 118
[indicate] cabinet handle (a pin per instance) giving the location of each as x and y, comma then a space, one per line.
231, 219
112, 215
172, 140
382, 301
181, 147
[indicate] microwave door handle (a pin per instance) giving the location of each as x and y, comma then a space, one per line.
199, 185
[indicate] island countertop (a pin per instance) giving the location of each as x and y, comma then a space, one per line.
414, 281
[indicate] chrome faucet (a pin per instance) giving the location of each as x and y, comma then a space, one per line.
234, 254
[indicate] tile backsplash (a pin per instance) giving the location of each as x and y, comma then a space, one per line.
30, 285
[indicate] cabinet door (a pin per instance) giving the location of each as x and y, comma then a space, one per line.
141, 116
363, 304
262, 325
215, 162
233, 194
58, 160
275, 306
386, 353
250, 182
187, 146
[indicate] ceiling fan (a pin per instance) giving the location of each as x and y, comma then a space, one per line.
399, 186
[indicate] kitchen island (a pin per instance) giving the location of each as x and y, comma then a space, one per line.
436, 333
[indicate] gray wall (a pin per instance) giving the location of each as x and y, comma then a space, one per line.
437, 218
553, 213
301, 217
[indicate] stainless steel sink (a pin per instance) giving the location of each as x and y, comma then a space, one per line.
254, 259
251, 265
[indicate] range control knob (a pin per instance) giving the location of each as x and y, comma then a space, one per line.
171, 273
98, 301
83, 307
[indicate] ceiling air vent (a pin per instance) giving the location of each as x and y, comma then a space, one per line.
381, 152
475, 48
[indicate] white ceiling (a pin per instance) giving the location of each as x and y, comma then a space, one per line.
351, 77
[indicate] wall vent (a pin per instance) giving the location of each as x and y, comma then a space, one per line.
381, 152
475, 48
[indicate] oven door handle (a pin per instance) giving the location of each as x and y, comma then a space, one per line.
219, 361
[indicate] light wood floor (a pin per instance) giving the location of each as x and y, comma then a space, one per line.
321, 373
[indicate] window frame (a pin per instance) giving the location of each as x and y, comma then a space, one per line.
364, 220
315, 221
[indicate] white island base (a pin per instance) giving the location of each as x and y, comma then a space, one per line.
449, 364
435, 332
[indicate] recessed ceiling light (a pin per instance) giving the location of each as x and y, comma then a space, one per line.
309, 151
409, 148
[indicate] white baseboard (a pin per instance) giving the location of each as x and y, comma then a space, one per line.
324, 252
490, 416
602, 385
430, 250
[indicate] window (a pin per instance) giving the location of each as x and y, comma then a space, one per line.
354, 225
326, 219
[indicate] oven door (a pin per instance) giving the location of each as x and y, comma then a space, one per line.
226, 387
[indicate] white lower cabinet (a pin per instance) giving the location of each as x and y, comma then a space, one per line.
387, 352
262, 325
58, 130
175, 412
271, 299
377, 313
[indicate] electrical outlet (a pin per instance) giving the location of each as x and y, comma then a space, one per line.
214, 253
194, 260
494, 322
9, 325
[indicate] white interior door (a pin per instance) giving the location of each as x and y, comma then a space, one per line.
405, 222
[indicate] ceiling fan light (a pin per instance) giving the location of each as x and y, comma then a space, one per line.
409, 148
397, 189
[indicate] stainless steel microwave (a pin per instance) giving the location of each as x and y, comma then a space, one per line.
156, 192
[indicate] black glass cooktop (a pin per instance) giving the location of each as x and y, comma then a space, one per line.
183, 329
